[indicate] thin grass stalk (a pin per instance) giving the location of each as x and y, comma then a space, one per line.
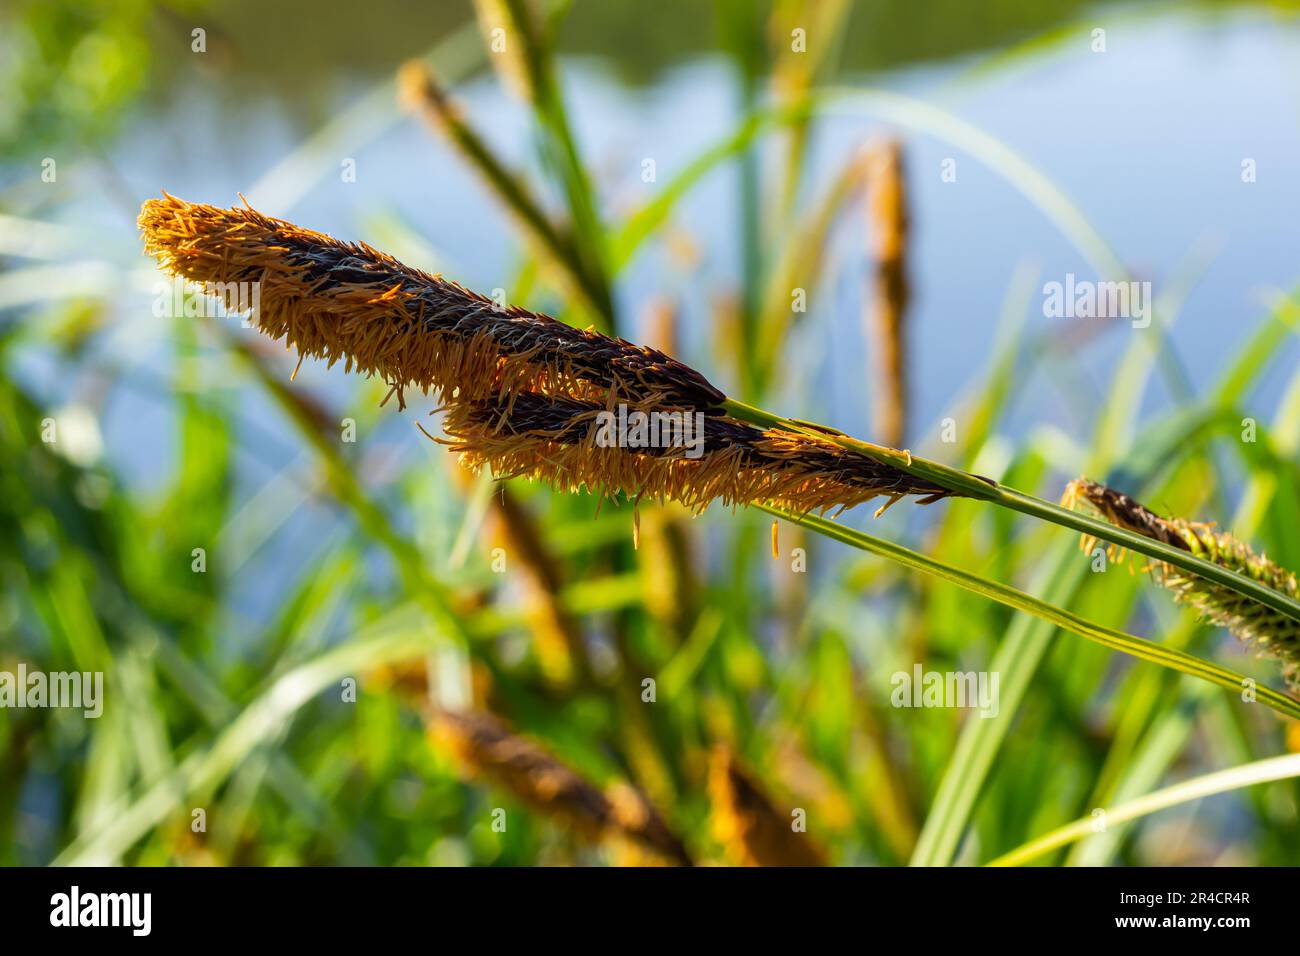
741, 30
557, 247
1221, 781
795, 72
967, 485
589, 231
800, 265
529, 61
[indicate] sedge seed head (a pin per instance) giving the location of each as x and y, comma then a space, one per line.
555, 440
348, 302
1268, 632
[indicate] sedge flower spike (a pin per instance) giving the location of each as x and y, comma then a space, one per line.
523, 392
1269, 633
347, 301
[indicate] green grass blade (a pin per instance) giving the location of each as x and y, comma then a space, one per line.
1021, 651
1019, 600
1222, 781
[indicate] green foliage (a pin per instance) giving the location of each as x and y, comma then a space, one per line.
328, 562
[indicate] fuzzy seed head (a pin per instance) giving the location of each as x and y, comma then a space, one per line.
555, 440
348, 302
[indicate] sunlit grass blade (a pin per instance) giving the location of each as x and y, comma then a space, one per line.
1222, 781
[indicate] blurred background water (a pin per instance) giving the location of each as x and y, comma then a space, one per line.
1146, 138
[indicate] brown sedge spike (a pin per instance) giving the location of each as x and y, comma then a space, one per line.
1270, 634
887, 208
751, 830
349, 302
557, 440
485, 748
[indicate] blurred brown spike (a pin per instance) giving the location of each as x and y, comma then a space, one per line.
486, 748
750, 828
507, 42
661, 325
887, 205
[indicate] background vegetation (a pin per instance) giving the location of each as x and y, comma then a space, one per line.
373, 560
